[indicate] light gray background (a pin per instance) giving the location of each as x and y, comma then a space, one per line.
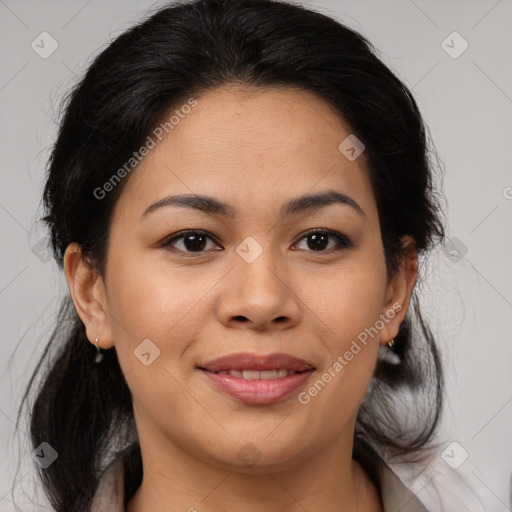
467, 103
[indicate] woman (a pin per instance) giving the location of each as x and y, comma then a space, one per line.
239, 195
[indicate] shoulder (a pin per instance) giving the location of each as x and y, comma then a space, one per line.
109, 494
394, 493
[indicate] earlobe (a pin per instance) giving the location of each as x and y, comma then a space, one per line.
88, 294
400, 289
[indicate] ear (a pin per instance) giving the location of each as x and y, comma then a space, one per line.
88, 293
399, 290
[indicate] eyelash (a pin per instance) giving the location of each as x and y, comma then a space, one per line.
343, 241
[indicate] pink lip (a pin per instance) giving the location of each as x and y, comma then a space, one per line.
258, 391
246, 361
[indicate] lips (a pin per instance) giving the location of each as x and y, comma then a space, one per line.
257, 363
256, 374
257, 379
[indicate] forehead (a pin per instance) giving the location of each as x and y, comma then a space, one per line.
251, 146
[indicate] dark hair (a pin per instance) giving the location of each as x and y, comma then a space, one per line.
84, 410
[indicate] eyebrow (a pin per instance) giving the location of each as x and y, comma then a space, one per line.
210, 205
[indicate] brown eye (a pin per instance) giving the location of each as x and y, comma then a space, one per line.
192, 241
318, 240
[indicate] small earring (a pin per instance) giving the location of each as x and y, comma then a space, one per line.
99, 356
391, 343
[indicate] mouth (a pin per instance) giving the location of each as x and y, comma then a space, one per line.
246, 362
257, 379
258, 375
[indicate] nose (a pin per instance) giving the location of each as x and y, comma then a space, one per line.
259, 295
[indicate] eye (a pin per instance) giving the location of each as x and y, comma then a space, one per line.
318, 240
192, 241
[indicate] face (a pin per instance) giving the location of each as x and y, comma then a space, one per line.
248, 272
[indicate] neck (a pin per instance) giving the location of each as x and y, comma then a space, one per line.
326, 479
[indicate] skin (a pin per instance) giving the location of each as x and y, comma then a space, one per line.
254, 149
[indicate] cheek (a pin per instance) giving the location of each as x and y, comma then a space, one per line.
149, 293
347, 298
350, 333
153, 302
150, 300
349, 337
346, 303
